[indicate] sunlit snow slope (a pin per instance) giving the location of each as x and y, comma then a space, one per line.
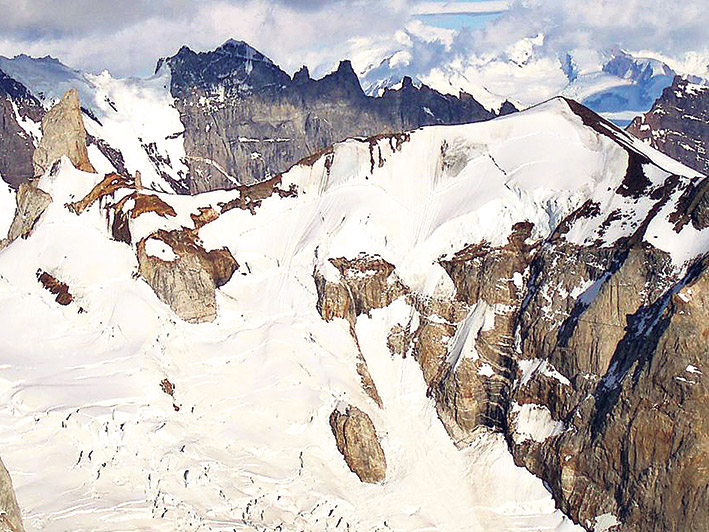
94, 443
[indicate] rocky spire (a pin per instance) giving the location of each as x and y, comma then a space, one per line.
63, 133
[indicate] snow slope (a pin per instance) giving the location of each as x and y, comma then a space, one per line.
94, 443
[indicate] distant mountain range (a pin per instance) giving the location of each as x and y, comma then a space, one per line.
227, 117
219, 119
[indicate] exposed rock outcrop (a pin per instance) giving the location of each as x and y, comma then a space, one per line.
31, 204
473, 386
10, 517
587, 354
56, 287
174, 263
63, 134
185, 276
678, 124
365, 283
357, 440
246, 119
19, 111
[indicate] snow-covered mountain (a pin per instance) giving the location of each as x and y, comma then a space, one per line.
625, 86
217, 119
616, 83
494, 298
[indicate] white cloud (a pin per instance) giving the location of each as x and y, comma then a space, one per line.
129, 37
664, 25
460, 8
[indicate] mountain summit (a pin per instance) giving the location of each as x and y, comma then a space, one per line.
245, 118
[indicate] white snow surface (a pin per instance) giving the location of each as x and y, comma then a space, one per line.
93, 443
534, 422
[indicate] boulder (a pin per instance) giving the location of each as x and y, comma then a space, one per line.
185, 276
357, 441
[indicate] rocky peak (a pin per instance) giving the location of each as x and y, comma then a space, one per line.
246, 120
31, 202
507, 108
342, 84
302, 76
637, 69
234, 66
63, 134
242, 50
678, 123
19, 112
11, 88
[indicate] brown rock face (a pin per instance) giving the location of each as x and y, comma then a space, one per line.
357, 441
10, 517
602, 348
473, 391
365, 283
187, 275
63, 134
31, 204
188, 282
56, 287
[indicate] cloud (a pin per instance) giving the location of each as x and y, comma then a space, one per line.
460, 8
671, 27
518, 54
129, 37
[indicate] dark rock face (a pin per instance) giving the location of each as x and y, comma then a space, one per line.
17, 146
678, 124
357, 440
246, 120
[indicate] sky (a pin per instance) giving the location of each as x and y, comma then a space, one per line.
127, 38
